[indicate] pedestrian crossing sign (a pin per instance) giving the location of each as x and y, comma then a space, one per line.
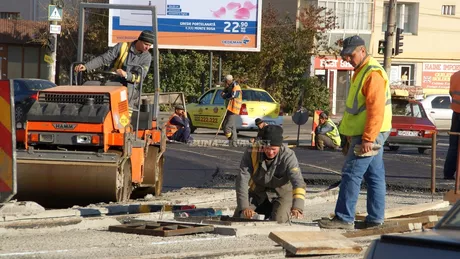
54, 13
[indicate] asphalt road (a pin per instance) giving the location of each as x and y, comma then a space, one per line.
192, 166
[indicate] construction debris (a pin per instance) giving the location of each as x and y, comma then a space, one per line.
162, 228
315, 243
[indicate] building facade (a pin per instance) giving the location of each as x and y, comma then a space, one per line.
33, 10
430, 49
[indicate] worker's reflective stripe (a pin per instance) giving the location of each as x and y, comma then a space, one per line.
299, 193
122, 55
255, 165
456, 98
355, 109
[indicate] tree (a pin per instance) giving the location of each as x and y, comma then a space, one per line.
283, 64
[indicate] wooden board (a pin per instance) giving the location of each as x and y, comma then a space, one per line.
408, 210
389, 229
402, 221
315, 243
439, 213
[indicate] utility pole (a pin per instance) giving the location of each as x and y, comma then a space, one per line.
391, 24
50, 55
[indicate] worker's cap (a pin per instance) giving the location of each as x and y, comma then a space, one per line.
272, 135
179, 107
323, 115
350, 44
146, 36
229, 77
259, 121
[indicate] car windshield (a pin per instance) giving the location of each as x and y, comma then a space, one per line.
452, 218
407, 109
248, 95
37, 85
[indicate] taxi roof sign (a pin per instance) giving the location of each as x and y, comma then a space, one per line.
54, 13
8, 186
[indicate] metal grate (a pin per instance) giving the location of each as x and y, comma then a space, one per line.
122, 107
73, 98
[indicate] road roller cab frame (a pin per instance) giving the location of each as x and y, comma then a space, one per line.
81, 144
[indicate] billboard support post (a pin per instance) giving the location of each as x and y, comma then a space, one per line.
210, 69
219, 78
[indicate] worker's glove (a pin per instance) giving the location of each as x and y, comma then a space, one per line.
248, 213
296, 213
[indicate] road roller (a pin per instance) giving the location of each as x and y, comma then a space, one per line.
82, 143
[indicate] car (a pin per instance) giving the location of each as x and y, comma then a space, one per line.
209, 109
410, 126
25, 94
437, 106
443, 241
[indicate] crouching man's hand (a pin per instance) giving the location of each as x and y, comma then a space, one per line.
248, 213
296, 213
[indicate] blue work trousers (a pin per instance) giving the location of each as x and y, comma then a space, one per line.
354, 170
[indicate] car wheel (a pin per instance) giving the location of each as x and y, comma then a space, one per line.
421, 150
394, 148
192, 128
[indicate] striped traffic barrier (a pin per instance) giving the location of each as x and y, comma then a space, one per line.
7, 142
314, 125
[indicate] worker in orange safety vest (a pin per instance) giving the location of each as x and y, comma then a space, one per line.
178, 126
450, 165
234, 98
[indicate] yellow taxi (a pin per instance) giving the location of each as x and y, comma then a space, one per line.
209, 109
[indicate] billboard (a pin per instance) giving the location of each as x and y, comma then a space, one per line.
437, 75
227, 25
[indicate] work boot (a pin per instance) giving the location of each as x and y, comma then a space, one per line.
367, 225
373, 224
336, 223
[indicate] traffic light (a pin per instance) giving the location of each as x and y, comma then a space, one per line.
382, 44
399, 43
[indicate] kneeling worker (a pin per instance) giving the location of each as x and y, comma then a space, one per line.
260, 129
326, 133
178, 126
276, 185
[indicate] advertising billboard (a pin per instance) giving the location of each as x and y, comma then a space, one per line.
227, 25
437, 75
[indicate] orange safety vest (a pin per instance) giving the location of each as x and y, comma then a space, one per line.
455, 91
170, 128
234, 105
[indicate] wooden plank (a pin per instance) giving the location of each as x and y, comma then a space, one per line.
315, 243
408, 210
439, 213
384, 230
429, 225
165, 229
402, 221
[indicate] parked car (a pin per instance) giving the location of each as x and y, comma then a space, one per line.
443, 241
437, 106
410, 126
25, 94
208, 110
